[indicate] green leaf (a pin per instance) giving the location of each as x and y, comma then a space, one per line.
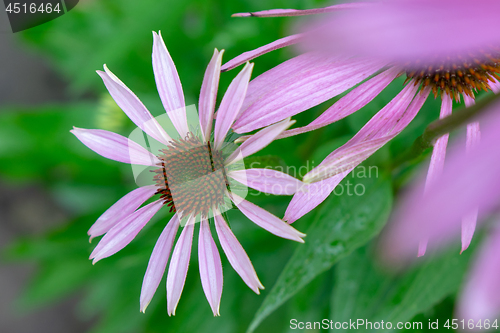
364, 291
343, 224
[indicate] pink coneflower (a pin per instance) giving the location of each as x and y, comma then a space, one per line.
469, 181
193, 176
365, 46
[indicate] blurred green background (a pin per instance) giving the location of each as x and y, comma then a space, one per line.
53, 188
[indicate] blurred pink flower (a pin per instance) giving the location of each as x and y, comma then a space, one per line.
208, 166
470, 181
365, 46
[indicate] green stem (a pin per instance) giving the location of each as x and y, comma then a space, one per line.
443, 126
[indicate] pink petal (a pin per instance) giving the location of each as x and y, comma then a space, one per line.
249, 55
266, 220
304, 81
177, 270
236, 255
384, 126
439, 151
393, 29
267, 181
468, 227
208, 94
133, 107
259, 141
114, 146
169, 85
231, 104
480, 299
158, 262
210, 267
310, 196
350, 103
121, 209
295, 12
495, 86
124, 232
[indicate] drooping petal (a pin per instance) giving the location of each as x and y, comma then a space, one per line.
208, 94
297, 85
158, 262
266, 220
249, 55
169, 85
259, 140
124, 232
121, 209
350, 103
295, 12
469, 181
267, 181
480, 299
439, 152
210, 267
393, 30
310, 196
383, 127
177, 270
437, 159
231, 104
236, 255
133, 107
469, 221
114, 146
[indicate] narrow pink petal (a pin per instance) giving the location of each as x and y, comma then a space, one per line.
266, 220
480, 299
305, 81
124, 232
295, 12
495, 86
121, 209
468, 227
439, 151
210, 267
310, 196
267, 181
231, 104
133, 107
236, 255
384, 126
169, 85
158, 262
259, 140
177, 271
350, 103
469, 221
208, 94
114, 146
249, 55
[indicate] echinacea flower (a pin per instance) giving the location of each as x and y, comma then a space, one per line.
364, 47
469, 181
193, 177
